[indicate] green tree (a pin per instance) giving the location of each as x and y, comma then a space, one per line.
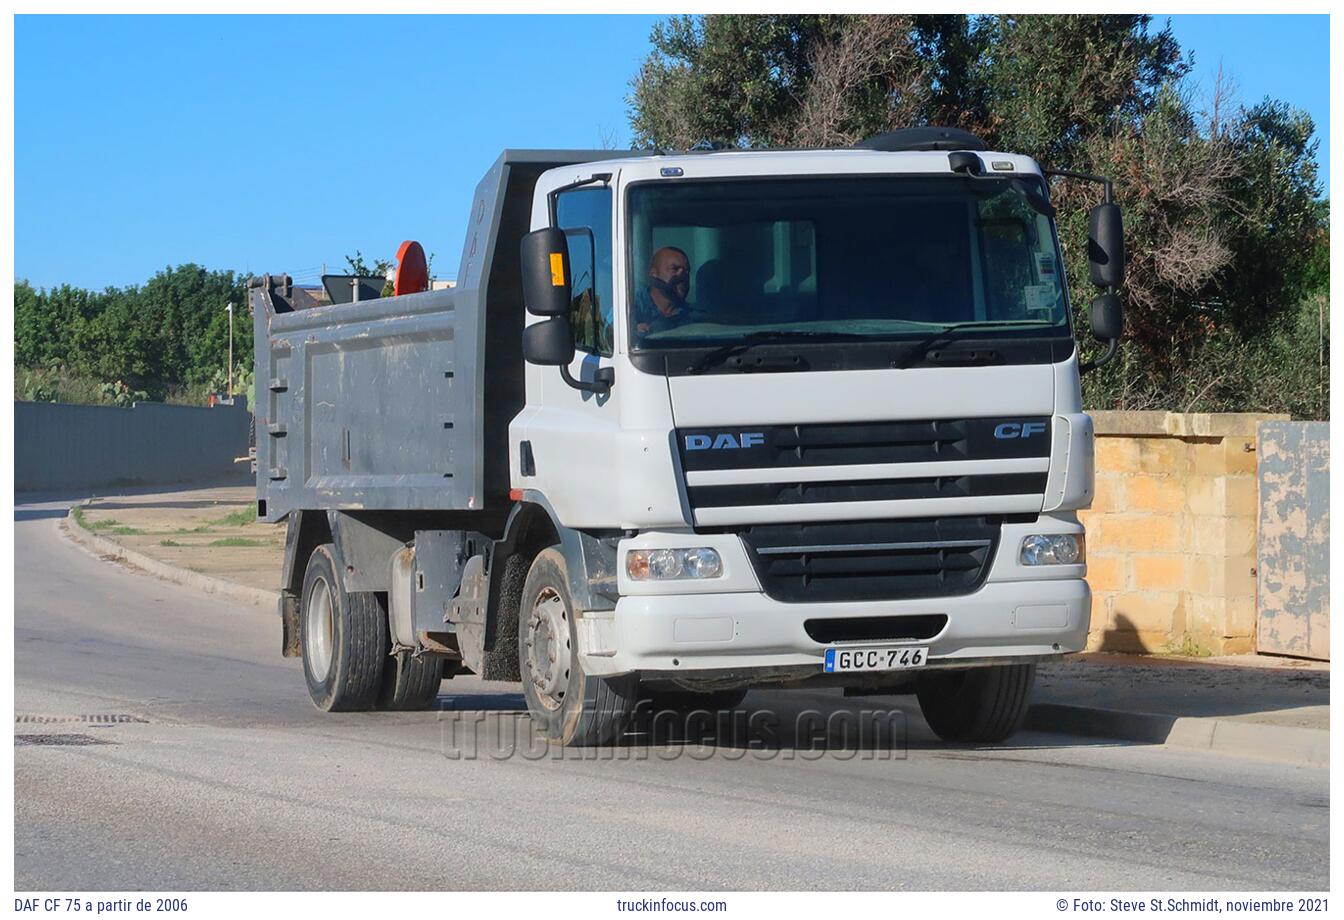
1049, 83
168, 335
789, 80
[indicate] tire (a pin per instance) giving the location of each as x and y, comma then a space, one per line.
566, 705
410, 683
978, 704
343, 637
691, 700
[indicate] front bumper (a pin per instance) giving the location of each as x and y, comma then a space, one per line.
699, 634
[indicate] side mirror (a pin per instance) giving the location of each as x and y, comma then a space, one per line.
1108, 317
1108, 323
544, 257
1106, 246
549, 343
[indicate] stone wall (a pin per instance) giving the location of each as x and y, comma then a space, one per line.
1171, 536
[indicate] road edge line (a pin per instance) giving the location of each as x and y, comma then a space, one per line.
102, 547
1290, 744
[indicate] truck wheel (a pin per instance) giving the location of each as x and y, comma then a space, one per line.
344, 638
410, 682
976, 704
566, 705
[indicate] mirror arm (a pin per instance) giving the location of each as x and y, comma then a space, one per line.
1086, 177
1112, 346
600, 385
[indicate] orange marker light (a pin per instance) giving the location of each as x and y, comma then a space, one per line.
557, 269
637, 564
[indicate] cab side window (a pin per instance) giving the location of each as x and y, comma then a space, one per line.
585, 216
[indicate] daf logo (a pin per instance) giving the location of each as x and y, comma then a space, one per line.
1009, 430
725, 441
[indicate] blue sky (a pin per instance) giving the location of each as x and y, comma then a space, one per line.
280, 143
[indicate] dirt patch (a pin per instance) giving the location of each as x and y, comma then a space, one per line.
212, 531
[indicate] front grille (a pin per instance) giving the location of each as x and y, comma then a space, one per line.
865, 490
872, 560
731, 475
754, 447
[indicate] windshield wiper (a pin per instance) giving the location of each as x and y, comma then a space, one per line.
752, 339
920, 349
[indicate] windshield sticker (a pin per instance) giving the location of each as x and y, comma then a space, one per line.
1045, 265
1039, 298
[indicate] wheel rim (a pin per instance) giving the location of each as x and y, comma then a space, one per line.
318, 639
547, 647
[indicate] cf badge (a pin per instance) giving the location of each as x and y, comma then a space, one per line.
1009, 430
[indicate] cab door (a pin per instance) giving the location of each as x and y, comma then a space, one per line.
572, 432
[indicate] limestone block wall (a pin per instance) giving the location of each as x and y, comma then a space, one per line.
1171, 535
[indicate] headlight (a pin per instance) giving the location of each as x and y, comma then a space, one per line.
668, 564
1053, 549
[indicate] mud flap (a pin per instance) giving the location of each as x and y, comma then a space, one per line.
289, 624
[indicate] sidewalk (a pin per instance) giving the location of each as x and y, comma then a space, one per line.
1261, 689
1256, 706
1246, 705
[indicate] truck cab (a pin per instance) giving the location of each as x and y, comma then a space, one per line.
785, 418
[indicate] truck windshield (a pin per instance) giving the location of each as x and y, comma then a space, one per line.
882, 258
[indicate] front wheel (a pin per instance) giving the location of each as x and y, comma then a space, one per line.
566, 705
978, 704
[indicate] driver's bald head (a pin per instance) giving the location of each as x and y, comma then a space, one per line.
669, 262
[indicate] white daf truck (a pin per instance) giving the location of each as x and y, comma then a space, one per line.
695, 423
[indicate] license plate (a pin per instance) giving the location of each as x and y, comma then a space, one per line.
874, 659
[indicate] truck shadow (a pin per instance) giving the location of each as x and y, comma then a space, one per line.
813, 724
785, 724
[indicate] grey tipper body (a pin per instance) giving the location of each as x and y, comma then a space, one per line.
380, 405
809, 480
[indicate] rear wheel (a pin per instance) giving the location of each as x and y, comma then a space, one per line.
343, 636
567, 705
977, 704
410, 682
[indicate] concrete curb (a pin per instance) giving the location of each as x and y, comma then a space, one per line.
103, 547
1281, 743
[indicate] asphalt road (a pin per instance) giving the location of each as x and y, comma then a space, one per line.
189, 757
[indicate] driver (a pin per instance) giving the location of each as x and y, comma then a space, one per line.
661, 304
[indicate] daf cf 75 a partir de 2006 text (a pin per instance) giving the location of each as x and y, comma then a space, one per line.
694, 423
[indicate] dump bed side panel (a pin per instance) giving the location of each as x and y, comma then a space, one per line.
359, 408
